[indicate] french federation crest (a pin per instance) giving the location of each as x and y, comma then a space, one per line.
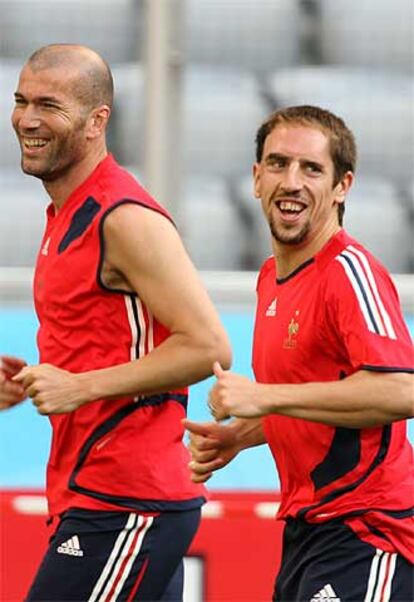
290, 342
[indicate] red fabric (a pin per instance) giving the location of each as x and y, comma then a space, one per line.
337, 314
86, 327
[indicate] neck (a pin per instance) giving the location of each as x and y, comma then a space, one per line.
59, 190
289, 257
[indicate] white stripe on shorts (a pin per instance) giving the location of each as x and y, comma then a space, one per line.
133, 554
131, 526
380, 577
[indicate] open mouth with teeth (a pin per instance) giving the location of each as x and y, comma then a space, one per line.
30, 143
290, 207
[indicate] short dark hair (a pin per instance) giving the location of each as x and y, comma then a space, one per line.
93, 81
341, 140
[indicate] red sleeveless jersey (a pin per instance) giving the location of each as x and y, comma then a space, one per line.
109, 454
336, 314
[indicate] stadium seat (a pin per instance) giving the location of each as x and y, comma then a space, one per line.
209, 223
259, 35
258, 234
221, 111
9, 149
377, 217
126, 135
23, 201
371, 33
410, 195
409, 203
112, 28
378, 107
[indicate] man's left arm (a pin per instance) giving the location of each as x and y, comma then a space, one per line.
365, 399
145, 249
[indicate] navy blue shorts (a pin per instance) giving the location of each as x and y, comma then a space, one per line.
328, 563
115, 556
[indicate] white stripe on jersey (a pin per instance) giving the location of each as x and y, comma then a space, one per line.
370, 324
362, 279
384, 314
142, 328
142, 335
133, 325
146, 343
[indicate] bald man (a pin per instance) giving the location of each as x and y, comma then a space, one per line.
124, 327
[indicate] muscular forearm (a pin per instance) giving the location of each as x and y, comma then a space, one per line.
362, 400
177, 362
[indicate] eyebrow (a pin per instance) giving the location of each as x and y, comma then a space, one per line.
273, 156
53, 99
276, 156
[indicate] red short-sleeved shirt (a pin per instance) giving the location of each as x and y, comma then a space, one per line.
338, 313
108, 454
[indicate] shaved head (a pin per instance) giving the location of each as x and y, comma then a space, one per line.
62, 105
91, 77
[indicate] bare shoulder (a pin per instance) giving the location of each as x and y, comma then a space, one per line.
139, 219
144, 253
136, 241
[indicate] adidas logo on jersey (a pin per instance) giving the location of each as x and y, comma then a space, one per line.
71, 547
326, 594
271, 310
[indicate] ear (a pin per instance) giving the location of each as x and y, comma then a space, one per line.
256, 180
343, 186
98, 120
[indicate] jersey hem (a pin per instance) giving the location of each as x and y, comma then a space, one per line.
386, 368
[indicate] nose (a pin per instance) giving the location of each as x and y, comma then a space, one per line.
292, 178
26, 118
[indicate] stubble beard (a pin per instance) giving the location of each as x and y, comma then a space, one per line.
30, 168
286, 237
48, 168
58, 160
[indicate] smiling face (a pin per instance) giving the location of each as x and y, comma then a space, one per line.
49, 123
295, 182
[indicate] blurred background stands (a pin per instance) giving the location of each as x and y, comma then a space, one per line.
241, 59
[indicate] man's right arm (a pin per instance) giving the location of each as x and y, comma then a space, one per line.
213, 445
